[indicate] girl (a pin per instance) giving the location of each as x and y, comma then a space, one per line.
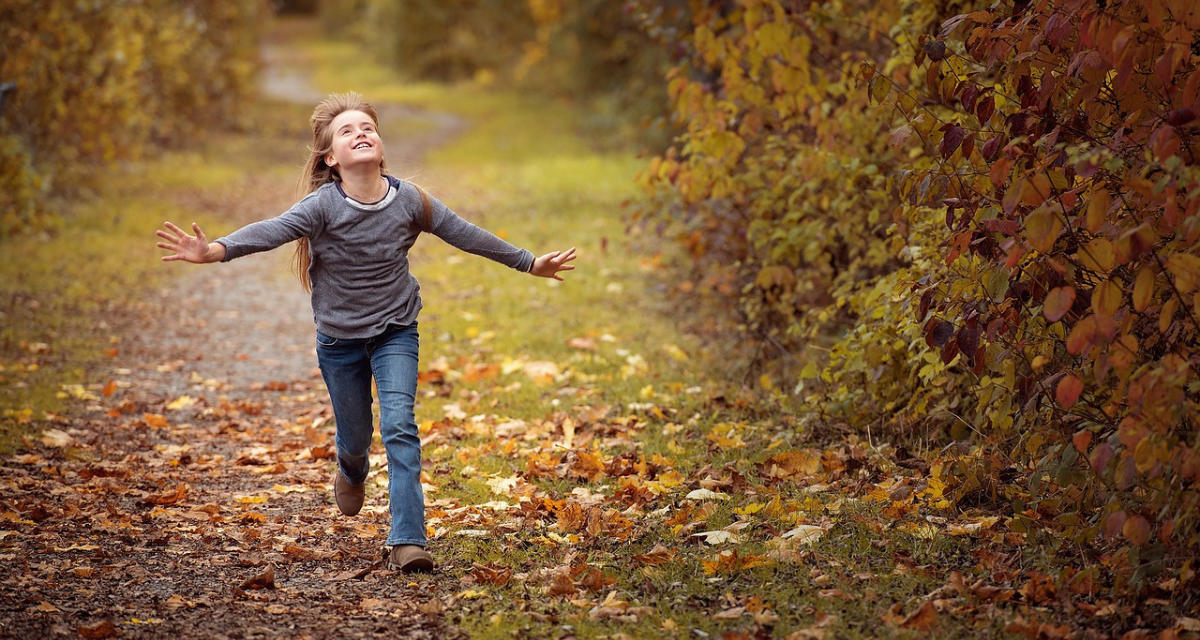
354, 225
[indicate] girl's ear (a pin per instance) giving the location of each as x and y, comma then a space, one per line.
330, 161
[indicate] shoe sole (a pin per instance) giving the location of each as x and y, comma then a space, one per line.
416, 565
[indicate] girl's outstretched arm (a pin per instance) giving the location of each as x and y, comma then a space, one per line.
195, 248
549, 265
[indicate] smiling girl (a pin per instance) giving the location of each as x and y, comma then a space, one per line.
354, 226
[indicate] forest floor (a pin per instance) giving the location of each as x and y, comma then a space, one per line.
591, 469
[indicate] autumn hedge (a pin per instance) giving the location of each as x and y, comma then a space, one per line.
977, 227
95, 83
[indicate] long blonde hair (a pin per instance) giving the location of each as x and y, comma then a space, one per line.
316, 172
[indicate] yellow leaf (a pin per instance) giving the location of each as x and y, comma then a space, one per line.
1097, 210
1042, 228
675, 352
1106, 298
1167, 315
1097, 256
182, 402
1186, 270
750, 509
1143, 288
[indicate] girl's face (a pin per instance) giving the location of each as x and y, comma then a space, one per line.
355, 142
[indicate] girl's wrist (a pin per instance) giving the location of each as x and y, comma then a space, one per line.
216, 252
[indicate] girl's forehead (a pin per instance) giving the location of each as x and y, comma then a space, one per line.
350, 117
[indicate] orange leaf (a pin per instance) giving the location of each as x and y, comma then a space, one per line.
169, 497
102, 629
1081, 440
1058, 303
154, 420
1081, 336
1137, 530
1068, 391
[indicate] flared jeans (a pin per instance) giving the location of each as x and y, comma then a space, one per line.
348, 366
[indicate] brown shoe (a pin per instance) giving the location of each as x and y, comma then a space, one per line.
349, 497
409, 558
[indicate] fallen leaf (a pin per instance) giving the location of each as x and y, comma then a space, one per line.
296, 551
731, 613
102, 629
168, 497
706, 494
264, 580
715, 537
56, 438
804, 534
657, 556
921, 619
180, 403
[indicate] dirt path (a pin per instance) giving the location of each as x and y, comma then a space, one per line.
192, 499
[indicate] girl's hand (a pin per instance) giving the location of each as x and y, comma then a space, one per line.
549, 265
195, 248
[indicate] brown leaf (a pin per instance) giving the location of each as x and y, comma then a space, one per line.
297, 551
571, 517
322, 452
264, 580
656, 556
921, 619
562, 585
491, 574
102, 629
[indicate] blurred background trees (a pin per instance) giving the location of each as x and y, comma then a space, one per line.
96, 83
595, 53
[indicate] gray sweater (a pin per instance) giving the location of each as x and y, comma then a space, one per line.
360, 278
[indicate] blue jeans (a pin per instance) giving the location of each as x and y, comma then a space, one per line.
348, 366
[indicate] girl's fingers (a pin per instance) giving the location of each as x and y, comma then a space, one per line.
171, 225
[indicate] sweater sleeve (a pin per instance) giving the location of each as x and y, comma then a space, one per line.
456, 231
300, 221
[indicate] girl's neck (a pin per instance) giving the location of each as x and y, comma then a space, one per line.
364, 184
